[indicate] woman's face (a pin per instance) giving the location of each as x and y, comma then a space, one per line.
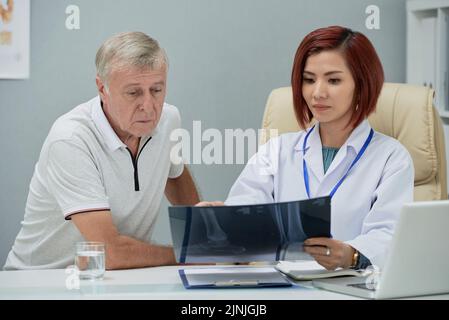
328, 88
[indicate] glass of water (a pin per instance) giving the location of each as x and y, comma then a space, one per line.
90, 260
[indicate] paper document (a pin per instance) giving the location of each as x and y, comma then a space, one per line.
308, 270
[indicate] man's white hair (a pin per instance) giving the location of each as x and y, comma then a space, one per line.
129, 49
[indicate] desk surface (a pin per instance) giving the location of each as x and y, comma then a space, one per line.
147, 283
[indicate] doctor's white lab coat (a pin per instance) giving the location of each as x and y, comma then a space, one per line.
366, 206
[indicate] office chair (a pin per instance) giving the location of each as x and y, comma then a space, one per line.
404, 112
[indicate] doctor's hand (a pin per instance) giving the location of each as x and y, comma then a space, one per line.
330, 253
209, 204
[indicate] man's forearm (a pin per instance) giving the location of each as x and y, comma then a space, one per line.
182, 190
124, 252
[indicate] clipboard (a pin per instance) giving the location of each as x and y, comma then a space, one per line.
232, 277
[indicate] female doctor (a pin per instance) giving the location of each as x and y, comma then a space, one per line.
336, 80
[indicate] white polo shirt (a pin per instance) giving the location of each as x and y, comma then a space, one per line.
84, 166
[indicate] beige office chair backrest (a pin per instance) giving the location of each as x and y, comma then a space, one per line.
404, 112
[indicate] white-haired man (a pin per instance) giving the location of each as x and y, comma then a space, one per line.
105, 165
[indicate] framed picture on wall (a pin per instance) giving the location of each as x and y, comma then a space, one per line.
14, 39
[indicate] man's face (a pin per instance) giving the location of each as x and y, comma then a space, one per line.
133, 103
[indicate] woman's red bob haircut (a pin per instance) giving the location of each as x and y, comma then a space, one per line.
361, 59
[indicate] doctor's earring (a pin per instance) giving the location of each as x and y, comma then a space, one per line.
356, 107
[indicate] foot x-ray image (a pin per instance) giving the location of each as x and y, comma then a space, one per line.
248, 233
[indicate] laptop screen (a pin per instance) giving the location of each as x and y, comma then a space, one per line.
247, 233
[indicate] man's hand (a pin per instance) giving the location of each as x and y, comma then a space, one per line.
329, 253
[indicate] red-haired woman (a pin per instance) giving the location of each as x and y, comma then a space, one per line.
336, 80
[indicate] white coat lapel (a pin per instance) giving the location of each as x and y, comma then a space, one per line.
339, 158
314, 155
355, 141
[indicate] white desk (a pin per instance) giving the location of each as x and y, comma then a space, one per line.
148, 283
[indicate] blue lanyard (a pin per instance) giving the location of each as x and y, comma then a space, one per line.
306, 173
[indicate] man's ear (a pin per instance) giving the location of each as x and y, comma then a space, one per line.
101, 88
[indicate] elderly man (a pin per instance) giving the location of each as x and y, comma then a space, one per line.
105, 165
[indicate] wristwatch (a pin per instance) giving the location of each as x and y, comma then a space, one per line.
355, 259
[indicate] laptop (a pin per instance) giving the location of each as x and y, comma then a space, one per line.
247, 233
418, 261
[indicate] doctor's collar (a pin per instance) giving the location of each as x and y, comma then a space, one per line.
355, 139
358, 136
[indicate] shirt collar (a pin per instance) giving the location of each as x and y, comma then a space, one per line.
358, 136
314, 138
356, 139
110, 137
